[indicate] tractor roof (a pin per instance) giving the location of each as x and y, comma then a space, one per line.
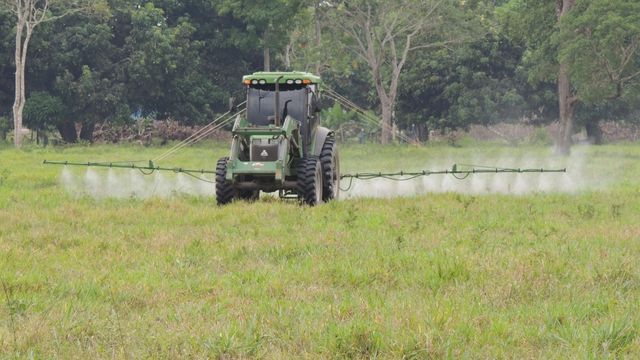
270, 77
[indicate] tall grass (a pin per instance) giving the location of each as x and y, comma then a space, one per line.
438, 275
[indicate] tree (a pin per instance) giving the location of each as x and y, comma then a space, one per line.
601, 43
41, 112
82, 62
6, 62
166, 59
29, 14
164, 65
382, 34
89, 98
269, 20
184, 59
590, 48
476, 83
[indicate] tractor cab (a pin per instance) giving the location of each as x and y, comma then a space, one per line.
272, 96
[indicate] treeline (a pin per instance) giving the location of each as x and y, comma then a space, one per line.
419, 64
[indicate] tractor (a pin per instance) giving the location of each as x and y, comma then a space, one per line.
278, 143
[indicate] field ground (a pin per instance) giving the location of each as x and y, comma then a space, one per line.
434, 276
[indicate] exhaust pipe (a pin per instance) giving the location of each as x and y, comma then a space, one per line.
278, 100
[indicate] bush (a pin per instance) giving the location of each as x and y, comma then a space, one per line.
541, 137
5, 127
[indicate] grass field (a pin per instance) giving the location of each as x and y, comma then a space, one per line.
445, 275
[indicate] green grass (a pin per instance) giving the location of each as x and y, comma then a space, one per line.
434, 276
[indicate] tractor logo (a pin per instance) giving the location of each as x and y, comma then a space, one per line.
257, 164
264, 153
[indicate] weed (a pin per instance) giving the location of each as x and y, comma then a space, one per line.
446, 270
4, 175
356, 341
616, 210
466, 201
351, 216
614, 337
586, 211
11, 308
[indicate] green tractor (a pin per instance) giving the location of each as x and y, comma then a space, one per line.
278, 143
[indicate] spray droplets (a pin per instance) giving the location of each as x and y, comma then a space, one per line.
115, 183
581, 175
575, 180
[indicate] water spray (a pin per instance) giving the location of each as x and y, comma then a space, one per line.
145, 170
455, 171
114, 187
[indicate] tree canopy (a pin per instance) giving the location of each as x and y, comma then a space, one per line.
433, 65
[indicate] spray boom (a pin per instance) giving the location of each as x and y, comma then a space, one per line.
474, 169
398, 176
147, 170
455, 171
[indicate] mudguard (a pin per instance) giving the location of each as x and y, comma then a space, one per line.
318, 142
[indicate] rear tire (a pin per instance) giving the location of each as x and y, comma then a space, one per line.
225, 193
330, 169
310, 180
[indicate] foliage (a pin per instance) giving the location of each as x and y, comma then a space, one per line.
601, 43
163, 58
336, 116
533, 25
476, 83
598, 40
5, 126
43, 111
7, 71
269, 22
181, 60
381, 35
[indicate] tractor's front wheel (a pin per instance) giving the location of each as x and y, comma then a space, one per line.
225, 193
310, 180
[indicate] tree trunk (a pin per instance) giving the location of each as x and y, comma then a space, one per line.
68, 132
18, 105
567, 105
594, 132
318, 34
566, 98
386, 123
86, 133
22, 45
267, 59
266, 53
17, 125
287, 56
423, 132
